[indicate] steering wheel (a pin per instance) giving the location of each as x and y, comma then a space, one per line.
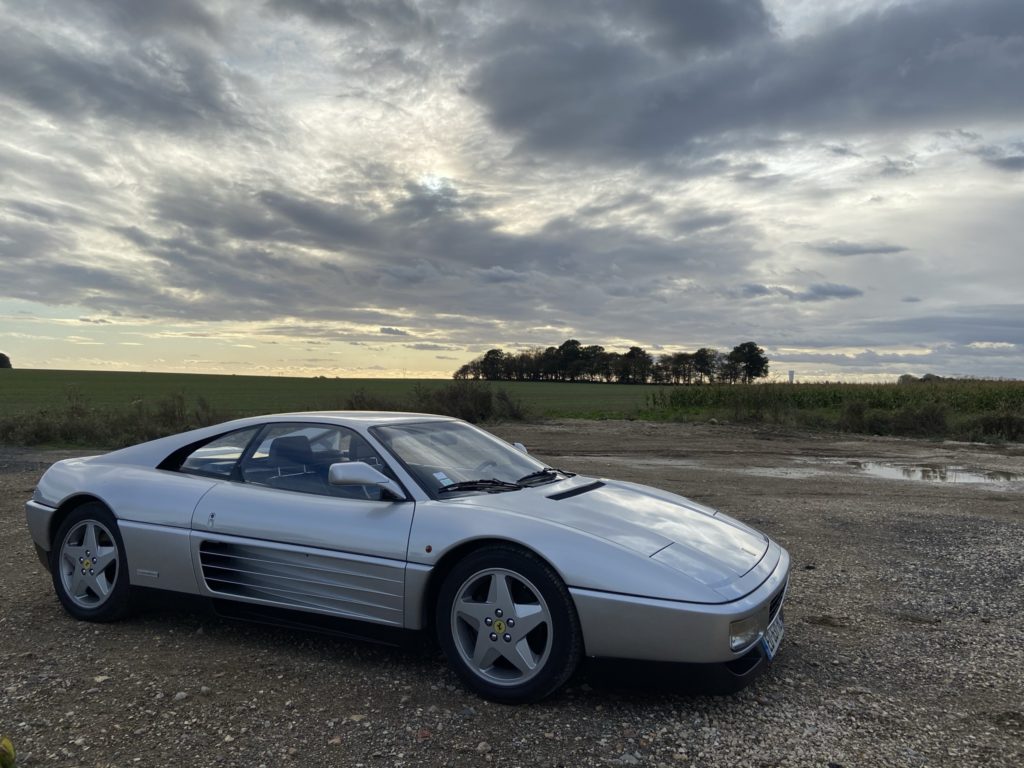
484, 465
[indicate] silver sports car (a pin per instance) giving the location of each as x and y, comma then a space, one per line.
414, 522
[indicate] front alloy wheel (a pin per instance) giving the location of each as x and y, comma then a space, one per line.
508, 625
87, 565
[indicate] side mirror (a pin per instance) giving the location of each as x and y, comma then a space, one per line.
520, 447
361, 473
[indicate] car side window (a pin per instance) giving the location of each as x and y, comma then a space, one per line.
298, 457
219, 457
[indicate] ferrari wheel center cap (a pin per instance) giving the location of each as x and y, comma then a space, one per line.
499, 626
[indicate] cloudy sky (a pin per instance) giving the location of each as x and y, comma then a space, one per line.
388, 188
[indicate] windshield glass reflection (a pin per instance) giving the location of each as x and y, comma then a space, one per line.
442, 453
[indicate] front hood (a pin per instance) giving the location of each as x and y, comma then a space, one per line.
696, 540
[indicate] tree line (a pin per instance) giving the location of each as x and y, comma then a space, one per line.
572, 361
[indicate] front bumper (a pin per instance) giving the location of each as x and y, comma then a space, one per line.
38, 517
720, 679
642, 628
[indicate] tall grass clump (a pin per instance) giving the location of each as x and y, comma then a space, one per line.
472, 401
76, 422
956, 409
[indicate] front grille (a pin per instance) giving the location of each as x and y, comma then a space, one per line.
776, 604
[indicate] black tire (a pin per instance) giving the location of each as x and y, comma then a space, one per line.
91, 603
555, 644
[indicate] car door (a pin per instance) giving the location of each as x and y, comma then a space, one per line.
276, 533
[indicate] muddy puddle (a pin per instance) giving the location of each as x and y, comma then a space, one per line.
807, 468
933, 474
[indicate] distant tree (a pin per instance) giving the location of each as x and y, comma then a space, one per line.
571, 361
751, 361
595, 363
729, 367
679, 367
705, 364
470, 370
5, 361
492, 367
635, 366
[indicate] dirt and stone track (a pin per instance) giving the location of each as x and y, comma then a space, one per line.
904, 643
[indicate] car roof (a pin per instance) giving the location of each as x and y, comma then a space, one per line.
354, 417
155, 451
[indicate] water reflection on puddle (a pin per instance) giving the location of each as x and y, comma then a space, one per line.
931, 474
808, 468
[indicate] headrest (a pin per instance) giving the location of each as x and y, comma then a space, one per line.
293, 448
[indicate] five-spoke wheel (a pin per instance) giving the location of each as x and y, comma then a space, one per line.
87, 565
508, 625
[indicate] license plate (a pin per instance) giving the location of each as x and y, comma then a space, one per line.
772, 637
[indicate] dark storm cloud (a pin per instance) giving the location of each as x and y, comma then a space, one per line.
846, 248
428, 347
29, 209
814, 292
633, 202
395, 17
842, 150
174, 86
421, 202
695, 220
316, 222
998, 324
156, 18
1009, 163
1009, 158
700, 23
588, 88
755, 290
388, 331
896, 167
682, 28
824, 292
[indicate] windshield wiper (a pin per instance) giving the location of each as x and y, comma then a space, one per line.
492, 485
544, 474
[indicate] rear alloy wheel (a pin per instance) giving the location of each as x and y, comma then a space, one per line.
88, 566
508, 626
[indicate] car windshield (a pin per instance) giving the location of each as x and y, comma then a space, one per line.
441, 454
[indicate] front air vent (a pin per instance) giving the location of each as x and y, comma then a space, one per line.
353, 588
577, 491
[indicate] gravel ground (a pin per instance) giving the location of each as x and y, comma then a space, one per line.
903, 644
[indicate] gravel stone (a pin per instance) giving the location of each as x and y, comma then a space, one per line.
904, 643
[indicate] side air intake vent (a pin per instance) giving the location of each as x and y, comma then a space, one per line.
577, 491
350, 588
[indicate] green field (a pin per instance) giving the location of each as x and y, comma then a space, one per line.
24, 391
100, 408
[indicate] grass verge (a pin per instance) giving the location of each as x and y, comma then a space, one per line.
76, 421
977, 411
